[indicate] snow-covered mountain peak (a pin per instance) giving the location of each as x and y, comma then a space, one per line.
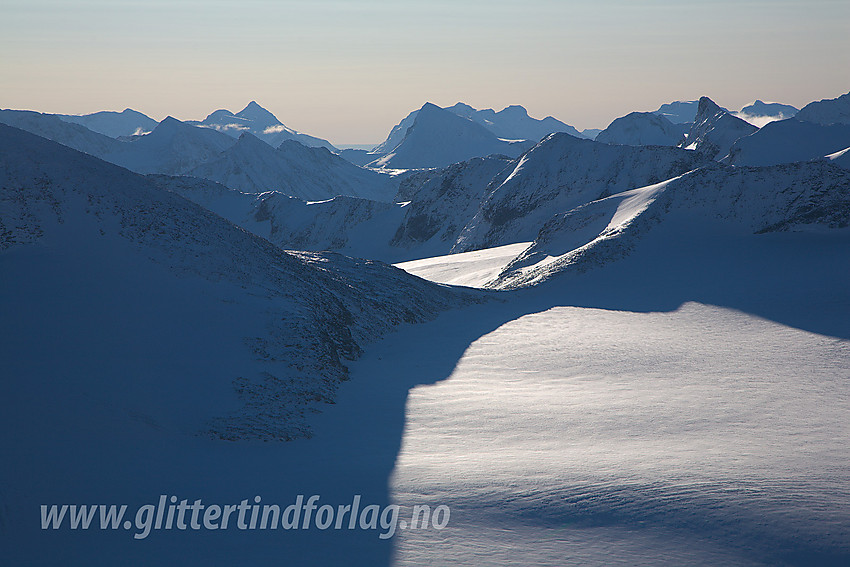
761, 113
310, 173
462, 109
679, 112
642, 129
259, 115
707, 109
514, 110
511, 123
437, 137
249, 141
810, 196
128, 122
430, 107
762, 108
715, 130
560, 173
218, 115
261, 123
169, 124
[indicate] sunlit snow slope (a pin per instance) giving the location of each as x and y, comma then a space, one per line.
473, 269
683, 405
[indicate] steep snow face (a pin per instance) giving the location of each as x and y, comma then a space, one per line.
114, 124
356, 227
827, 111
761, 113
715, 198
513, 122
472, 269
439, 138
396, 135
309, 173
679, 112
261, 123
442, 202
841, 159
715, 130
787, 141
560, 173
642, 129
433, 207
87, 243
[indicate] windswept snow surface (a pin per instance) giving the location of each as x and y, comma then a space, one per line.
472, 269
701, 435
676, 396
685, 405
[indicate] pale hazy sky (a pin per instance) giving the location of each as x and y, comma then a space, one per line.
349, 70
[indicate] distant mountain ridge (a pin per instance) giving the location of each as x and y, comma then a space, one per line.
715, 130
466, 206
827, 111
788, 141
259, 122
642, 129
128, 122
310, 173
308, 313
510, 123
745, 201
246, 164
513, 122
679, 112
438, 138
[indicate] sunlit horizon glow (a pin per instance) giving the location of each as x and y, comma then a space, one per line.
348, 71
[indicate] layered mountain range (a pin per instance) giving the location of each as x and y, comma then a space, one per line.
109, 245
192, 309
446, 180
